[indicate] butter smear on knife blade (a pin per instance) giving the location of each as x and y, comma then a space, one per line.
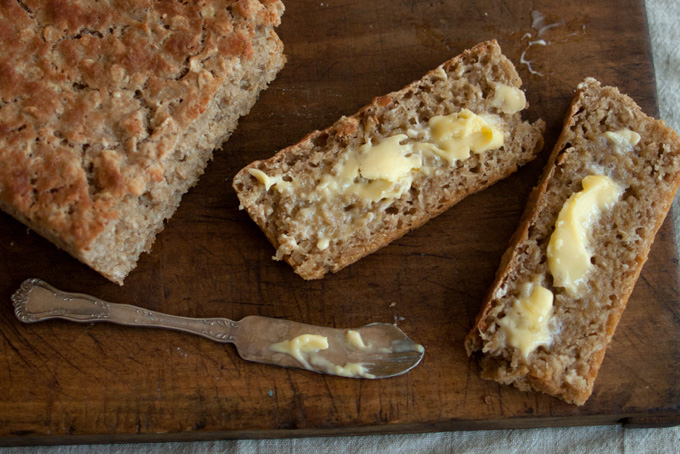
305, 349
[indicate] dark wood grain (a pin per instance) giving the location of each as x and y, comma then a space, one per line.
68, 383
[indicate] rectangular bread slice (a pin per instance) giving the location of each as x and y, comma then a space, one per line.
110, 111
350, 189
519, 338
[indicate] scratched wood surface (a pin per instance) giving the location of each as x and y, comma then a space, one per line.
68, 383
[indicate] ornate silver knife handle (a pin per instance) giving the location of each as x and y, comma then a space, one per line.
36, 300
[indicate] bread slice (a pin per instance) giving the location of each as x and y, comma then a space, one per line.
596, 140
322, 212
109, 112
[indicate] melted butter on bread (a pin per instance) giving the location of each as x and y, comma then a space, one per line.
622, 140
569, 257
525, 324
508, 99
384, 169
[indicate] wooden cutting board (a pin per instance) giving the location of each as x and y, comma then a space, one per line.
68, 383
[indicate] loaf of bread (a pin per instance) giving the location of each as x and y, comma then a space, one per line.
109, 112
564, 282
350, 189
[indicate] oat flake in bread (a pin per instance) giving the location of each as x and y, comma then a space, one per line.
350, 189
110, 110
553, 308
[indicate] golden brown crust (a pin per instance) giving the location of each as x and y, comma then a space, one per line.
96, 97
466, 81
651, 176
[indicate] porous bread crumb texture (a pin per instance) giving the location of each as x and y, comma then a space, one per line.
110, 110
468, 83
582, 326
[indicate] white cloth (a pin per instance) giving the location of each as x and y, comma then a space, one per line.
664, 22
592, 440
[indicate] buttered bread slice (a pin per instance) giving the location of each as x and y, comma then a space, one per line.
565, 280
348, 190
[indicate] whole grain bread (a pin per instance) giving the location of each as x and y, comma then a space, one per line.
581, 325
110, 110
314, 239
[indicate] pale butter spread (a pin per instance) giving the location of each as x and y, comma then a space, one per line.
455, 136
508, 98
622, 140
304, 349
301, 346
569, 259
389, 160
525, 324
351, 370
266, 180
385, 170
355, 340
